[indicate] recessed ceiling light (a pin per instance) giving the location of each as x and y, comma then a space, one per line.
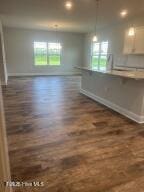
68, 5
123, 13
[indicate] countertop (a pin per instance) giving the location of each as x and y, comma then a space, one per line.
122, 73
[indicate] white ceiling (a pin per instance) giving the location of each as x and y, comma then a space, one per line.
44, 14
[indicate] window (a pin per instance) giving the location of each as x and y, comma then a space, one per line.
47, 53
99, 55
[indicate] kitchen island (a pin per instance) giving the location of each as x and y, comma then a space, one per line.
122, 91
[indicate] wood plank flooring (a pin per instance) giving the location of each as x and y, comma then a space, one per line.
69, 142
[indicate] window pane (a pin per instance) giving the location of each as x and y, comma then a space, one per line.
103, 62
95, 61
40, 53
54, 52
96, 48
54, 48
54, 59
104, 47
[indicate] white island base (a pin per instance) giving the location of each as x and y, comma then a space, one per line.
123, 94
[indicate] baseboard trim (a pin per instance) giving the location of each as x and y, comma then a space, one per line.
41, 74
125, 112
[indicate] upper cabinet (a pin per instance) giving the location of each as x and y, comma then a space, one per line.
134, 44
139, 41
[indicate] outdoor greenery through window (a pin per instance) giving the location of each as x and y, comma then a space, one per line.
47, 53
99, 55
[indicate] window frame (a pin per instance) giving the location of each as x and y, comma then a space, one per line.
99, 54
47, 56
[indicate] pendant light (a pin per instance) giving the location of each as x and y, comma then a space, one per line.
131, 32
58, 46
132, 29
56, 39
95, 39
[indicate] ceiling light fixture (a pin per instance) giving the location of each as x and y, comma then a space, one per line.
68, 5
95, 39
123, 13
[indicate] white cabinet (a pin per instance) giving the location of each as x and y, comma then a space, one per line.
134, 44
128, 44
139, 41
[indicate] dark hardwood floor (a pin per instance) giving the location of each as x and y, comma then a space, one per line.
69, 142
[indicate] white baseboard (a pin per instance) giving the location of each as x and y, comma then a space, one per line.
41, 74
125, 112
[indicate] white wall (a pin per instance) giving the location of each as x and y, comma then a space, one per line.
3, 69
115, 35
19, 52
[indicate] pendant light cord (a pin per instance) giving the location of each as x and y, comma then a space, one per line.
56, 36
56, 31
96, 14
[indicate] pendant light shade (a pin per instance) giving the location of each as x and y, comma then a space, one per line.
131, 32
95, 38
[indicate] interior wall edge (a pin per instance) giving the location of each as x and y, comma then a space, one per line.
4, 157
